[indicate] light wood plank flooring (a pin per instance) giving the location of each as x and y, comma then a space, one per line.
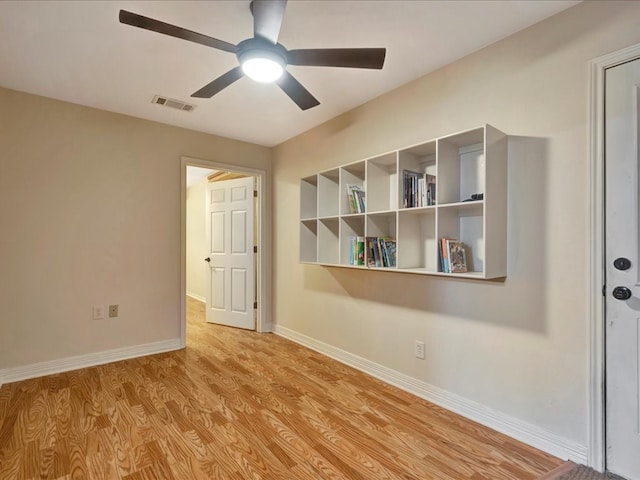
242, 405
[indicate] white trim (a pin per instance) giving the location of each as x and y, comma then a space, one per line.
196, 297
263, 323
41, 369
514, 428
596, 410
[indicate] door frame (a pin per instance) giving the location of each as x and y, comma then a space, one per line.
263, 320
596, 455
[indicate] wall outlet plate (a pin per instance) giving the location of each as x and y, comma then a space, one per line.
418, 349
113, 311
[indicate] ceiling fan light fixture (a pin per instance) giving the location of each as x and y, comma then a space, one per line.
261, 57
262, 69
260, 60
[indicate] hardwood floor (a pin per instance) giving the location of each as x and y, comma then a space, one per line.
242, 405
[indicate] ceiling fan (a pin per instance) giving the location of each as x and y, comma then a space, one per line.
262, 58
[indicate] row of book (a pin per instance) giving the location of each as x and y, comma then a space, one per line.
381, 252
372, 251
418, 189
355, 195
453, 258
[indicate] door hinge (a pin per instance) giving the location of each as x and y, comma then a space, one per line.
604, 290
255, 193
255, 305
255, 249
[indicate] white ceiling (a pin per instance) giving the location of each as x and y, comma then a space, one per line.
78, 51
195, 174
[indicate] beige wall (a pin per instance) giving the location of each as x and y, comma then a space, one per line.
90, 214
518, 347
196, 239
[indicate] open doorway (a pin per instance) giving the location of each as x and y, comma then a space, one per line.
197, 180
228, 294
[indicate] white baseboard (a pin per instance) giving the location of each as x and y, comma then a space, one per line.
41, 369
197, 297
525, 432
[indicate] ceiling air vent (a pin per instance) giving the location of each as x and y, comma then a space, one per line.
171, 103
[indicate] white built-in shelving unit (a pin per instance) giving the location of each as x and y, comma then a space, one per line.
465, 163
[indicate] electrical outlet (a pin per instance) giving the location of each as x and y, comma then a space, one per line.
113, 311
98, 312
418, 349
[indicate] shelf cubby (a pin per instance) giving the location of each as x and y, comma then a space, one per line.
351, 226
418, 158
328, 189
417, 244
382, 225
329, 241
465, 163
309, 197
382, 183
461, 166
353, 174
465, 222
309, 241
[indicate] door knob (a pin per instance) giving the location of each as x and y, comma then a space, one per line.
208, 259
622, 293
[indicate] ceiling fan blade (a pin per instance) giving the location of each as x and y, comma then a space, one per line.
338, 57
267, 18
297, 92
147, 23
219, 83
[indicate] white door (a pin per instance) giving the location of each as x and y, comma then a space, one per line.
622, 97
231, 279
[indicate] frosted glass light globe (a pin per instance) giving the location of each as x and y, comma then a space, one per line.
262, 69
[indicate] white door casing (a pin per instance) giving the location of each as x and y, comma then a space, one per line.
622, 328
230, 240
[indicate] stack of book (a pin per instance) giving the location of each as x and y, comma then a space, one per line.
453, 258
419, 189
355, 195
381, 252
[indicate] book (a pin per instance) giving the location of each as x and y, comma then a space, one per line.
410, 188
385, 252
371, 252
457, 257
352, 250
430, 181
355, 196
390, 246
360, 251
376, 253
444, 252
380, 245
360, 197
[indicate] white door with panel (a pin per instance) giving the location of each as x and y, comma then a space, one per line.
231, 279
622, 303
